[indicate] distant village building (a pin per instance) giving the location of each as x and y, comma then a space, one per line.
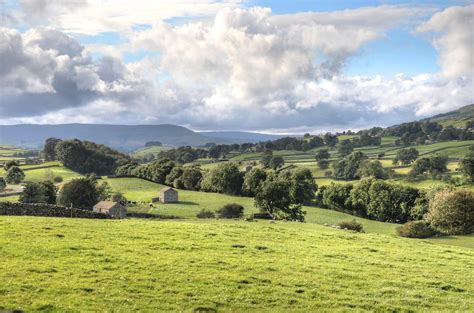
168, 195
114, 209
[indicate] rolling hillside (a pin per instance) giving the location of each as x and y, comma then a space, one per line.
122, 137
457, 118
69, 265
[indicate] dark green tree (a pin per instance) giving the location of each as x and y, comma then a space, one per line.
406, 156
466, 166
191, 177
49, 149
322, 154
372, 168
276, 162
225, 178
274, 198
81, 193
14, 175
33, 193
253, 179
10, 164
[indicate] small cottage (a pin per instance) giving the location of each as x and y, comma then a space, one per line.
114, 209
168, 195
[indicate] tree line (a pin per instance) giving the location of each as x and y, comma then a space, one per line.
84, 156
280, 194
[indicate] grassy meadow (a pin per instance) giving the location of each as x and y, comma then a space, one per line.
54, 264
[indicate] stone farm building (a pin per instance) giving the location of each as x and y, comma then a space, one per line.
168, 195
114, 209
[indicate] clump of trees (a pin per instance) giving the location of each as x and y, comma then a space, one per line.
406, 156
466, 165
43, 192
434, 165
183, 154
14, 175
426, 131
347, 168
84, 156
373, 168
83, 193
282, 194
371, 198
10, 164
225, 178
268, 160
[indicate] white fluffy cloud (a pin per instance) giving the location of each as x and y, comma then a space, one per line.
244, 69
44, 70
454, 39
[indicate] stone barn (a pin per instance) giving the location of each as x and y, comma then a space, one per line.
114, 209
168, 195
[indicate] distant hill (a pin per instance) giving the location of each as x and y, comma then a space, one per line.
457, 118
239, 137
121, 137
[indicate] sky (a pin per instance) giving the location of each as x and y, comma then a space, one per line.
264, 66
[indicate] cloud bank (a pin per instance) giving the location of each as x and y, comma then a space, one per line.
242, 69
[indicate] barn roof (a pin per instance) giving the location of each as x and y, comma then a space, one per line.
105, 205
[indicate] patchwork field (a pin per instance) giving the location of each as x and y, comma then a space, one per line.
53, 264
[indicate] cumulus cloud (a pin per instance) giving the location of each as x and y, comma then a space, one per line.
45, 70
454, 39
244, 69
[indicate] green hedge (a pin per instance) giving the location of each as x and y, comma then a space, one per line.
40, 209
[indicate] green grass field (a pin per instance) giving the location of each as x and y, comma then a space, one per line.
191, 202
73, 265
38, 175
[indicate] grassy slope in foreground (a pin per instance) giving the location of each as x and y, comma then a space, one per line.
83, 265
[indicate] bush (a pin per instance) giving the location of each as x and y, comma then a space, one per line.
451, 212
416, 229
58, 179
232, 210
14, 175
351, 225
206, 214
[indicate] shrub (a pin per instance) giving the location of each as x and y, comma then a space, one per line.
416, 229
351, 225
205, 214
451, 212
14, 175
232, 210
58, 179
